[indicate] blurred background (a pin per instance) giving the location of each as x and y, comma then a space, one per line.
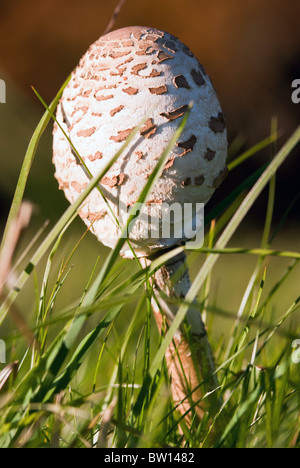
250, 49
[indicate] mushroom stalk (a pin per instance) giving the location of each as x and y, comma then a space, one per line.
189, 357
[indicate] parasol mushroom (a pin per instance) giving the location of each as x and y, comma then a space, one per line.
121, 76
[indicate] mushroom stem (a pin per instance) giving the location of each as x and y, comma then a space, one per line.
189, 357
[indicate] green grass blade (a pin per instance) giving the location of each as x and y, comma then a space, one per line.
259, 252
272, 191
242, 410
63, 380
233, 195
28, 159
255, 149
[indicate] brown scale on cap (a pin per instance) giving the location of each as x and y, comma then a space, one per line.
159, 90
87, 132
94, 157
131, 91
86, 93
103, 97
82, 109
116, 110
136, 33
145, 50
118, 72
162, 56
121, 70
217, 124
154, 201
137, 68
115, 55
154, 73
130, 59
94, 77
199, 180
181, 82
187, 181
209, 155
148, 129
175, 114
169, 163
97, 114
114, 181
187, 145
171, 46
122, 135
152, 38
127, 44
197, 77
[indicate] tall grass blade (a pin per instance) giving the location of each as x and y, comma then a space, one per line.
28, 160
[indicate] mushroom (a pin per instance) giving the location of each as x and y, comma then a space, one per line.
121, 76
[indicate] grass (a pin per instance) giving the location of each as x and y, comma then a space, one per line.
84, 362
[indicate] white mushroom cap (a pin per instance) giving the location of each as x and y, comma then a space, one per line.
120, 77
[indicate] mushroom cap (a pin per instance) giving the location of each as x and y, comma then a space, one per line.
120, 77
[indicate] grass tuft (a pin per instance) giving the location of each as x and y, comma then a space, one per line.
89, 371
